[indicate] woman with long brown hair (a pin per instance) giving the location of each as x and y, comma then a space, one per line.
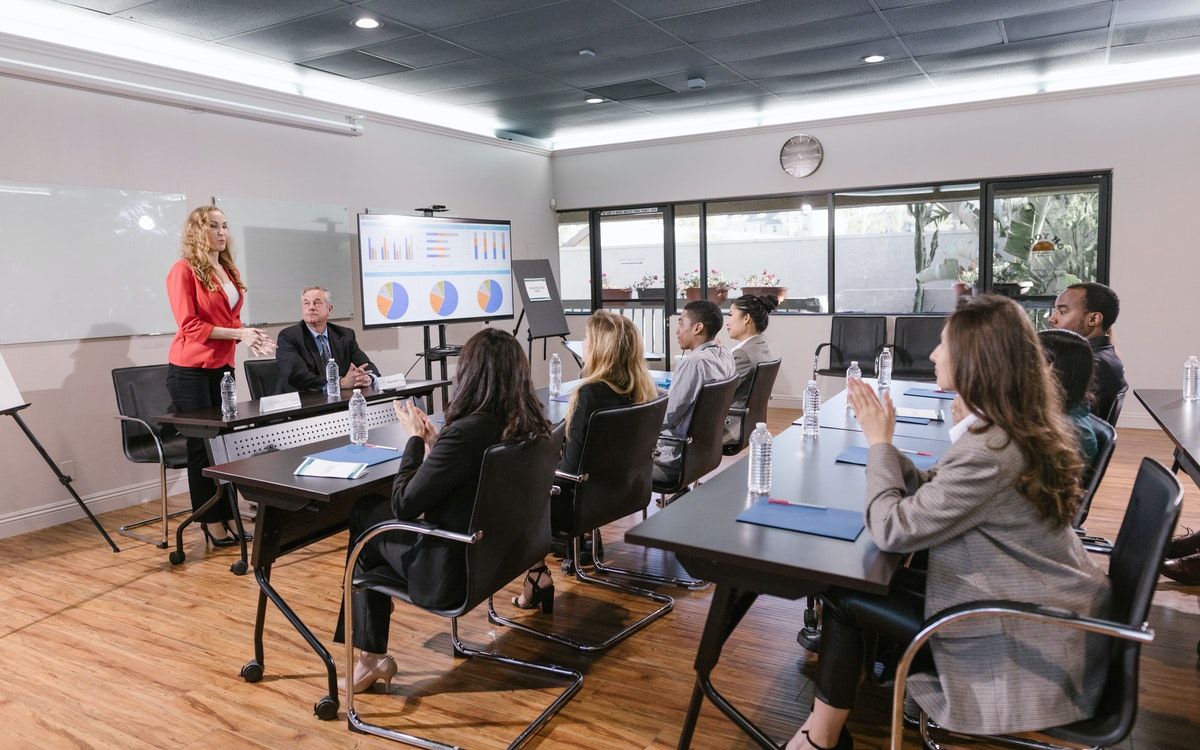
206, 293
614, 375
995, 516
493, 403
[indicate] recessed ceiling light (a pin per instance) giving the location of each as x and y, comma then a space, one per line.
594, 100
366, 22
587, 52
874, 58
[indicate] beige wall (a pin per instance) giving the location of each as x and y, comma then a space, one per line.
69, 137
1145, 136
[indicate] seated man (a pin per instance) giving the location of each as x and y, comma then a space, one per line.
707, 362
303, 349
1090, 309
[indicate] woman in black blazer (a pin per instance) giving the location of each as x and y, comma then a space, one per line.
614, 375
493, 403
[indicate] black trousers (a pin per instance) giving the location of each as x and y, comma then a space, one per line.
373, 610
200, 388
850, 618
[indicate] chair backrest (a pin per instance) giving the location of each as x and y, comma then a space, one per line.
1106, 442
916, 336
1133, 570
617, 459
649, 320
707, 428
512, 509
762, 381
1114, 411
142, 393
856, 337
262, 375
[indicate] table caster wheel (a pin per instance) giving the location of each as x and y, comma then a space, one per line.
326, 709
238, 568
252, 671
176, 557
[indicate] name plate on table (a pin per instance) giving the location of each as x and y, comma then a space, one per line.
391, 382
282, 401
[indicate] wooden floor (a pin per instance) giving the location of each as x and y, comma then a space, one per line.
102, 650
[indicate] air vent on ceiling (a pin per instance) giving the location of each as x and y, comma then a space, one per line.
631, 90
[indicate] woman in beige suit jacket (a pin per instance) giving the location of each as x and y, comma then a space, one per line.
994, 514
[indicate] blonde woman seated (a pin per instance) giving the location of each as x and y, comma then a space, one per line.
747, 321
614, 375
995, 515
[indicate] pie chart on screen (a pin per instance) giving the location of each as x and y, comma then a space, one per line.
489, 296
443, 298
392, 300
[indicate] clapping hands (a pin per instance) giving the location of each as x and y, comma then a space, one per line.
877, 418
415, 421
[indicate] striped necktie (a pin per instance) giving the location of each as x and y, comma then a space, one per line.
323, 346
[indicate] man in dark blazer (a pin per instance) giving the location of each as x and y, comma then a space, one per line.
303, 349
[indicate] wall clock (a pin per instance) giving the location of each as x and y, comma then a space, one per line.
801, 155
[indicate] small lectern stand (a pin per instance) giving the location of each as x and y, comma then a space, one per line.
65, 479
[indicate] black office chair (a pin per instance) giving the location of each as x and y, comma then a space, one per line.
852, 338
262, 375
762, 380
1149, 520
141, 396
509, 533
613, 482
701, 449
916, 336
1106, 442
1114, 411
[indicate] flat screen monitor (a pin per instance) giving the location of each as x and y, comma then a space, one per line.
428, 270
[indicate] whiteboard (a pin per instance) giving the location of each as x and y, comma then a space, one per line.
84, 262
282, 247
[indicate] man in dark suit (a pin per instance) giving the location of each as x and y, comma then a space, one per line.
1090, 309
303, 349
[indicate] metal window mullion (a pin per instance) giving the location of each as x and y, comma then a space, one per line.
597, 270
703, 250
829, 254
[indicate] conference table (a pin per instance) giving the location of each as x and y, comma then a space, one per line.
258, 428
836, 415
745, 561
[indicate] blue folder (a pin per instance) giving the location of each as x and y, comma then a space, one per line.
857, 454
834, 523
931, 393
913, 420
664, 383
358, 454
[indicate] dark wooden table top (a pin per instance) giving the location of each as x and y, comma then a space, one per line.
703, 523
836, 416
1178, 418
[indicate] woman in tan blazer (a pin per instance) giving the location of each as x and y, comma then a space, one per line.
994, 514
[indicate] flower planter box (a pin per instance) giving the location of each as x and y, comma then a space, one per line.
778, 292
609, 294
716, 296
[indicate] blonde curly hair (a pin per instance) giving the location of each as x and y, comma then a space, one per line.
195, 247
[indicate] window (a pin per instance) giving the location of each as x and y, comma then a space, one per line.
575, 261
631, 256
687, 254
902, 251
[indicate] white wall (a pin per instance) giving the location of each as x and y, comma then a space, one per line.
1146, 136
69, 137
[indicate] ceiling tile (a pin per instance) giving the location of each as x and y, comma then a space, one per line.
889, 4
353, 64
713, 75
1155, 10
315, 36
1017, 52
1086, 18
217, 19
953, 39
464, 73
420, 51
435, 14
104, 6
828, 33
835, 78
1154, 50
927, 17
513, 88
614, 44
811, 61
534, 28
909, 85
760, 16
655, 9
741, 92
643, 66
626, 90
987, 76
1156, 32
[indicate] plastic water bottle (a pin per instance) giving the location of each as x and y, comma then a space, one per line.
333, 376
228, 397
885, 367
555, 375
852, 372
812, 408
760, 459
1191, 379
358, 418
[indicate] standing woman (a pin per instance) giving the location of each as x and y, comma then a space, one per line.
206, 293
747, 321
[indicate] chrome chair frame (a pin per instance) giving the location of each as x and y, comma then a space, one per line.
165, 515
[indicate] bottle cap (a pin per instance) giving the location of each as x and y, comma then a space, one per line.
761, 425
357, 391
812, 382
854, 363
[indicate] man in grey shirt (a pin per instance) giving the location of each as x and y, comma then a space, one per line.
706, 362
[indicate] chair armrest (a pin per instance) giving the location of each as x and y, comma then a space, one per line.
576, 478
817, 354
157, 443
999, 608
673, 439
738, 411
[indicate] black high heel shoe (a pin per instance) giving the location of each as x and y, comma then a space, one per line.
844, 741
537, 594
228, 541
231, 533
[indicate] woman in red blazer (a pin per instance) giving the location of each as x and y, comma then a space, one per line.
206, 294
